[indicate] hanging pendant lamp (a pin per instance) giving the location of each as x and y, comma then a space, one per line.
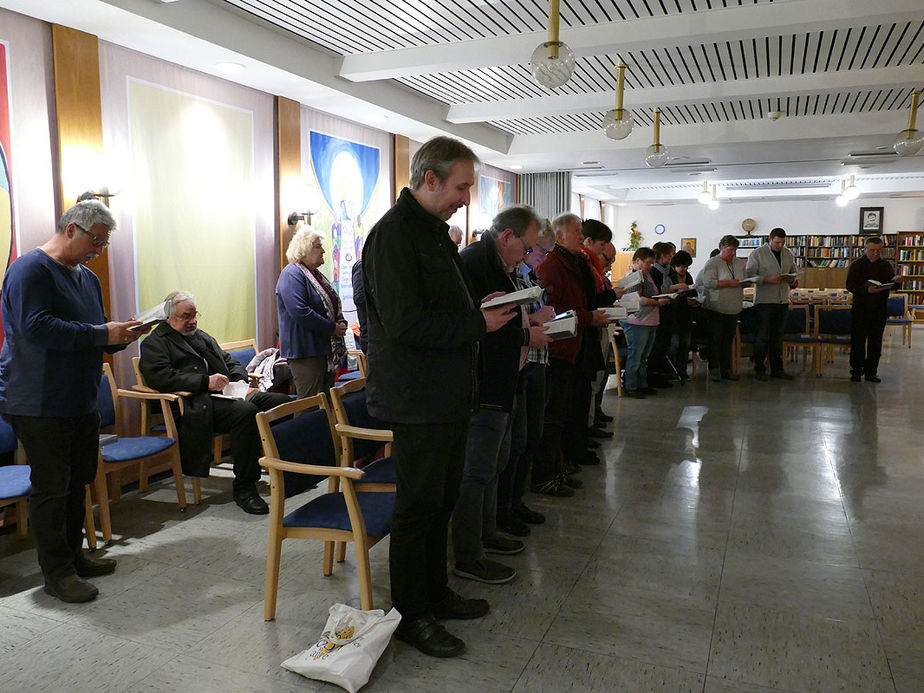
909, 140
553, 61
656, 154
617, 123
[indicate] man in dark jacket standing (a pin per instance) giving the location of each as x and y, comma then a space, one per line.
489, 264
870, 310
423, 333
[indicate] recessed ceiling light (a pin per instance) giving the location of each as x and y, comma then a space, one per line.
516, 167
230, 68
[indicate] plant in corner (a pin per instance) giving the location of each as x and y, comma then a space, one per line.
635, 238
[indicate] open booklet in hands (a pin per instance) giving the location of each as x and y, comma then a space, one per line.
883, 285
234, 390
517, 298
152, 315
562, 326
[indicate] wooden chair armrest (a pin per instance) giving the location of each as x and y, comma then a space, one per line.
379, 434
143, 388
253, 379
314, 469
162, 396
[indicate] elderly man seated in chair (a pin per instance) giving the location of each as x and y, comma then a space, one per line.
179, 357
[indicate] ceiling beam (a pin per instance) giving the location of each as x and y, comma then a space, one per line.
650, 33
662, 97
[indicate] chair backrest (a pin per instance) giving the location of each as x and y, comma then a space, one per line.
8, 442
748, 322
349, 403
833, 320
107, 399
136, 366
360, 357
898, 306
797, 320
242, 350
305, 438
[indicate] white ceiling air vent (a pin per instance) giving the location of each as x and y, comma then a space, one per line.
680, 162
778, 185
869, 158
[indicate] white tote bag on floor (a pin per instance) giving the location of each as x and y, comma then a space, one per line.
351, 644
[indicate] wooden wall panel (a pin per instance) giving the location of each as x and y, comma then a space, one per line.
288, 167
402, 164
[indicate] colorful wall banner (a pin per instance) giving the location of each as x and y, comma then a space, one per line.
7, 219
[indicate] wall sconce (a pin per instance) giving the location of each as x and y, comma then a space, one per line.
552, 63
617, 124
303, 196
103, 195
910, 141
704, 197
851, 192
713, 203
842, 200
656, 154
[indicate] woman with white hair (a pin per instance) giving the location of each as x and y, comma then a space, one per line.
311, 324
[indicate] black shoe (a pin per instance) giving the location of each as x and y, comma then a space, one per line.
527, 515
502, 545
781, 375
762, 376
648, 391
588, 460
730, 376
486, 571
855, 378
93, 567
604, 418
570, 481
873, 378
71, 589
553, 487
508, 522
597, 433
635, 394
456, 606
250, 502
570, 468
429, 637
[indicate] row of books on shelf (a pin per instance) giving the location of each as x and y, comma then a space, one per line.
911, 255
913, 239
912, 285
830, 262
839, 241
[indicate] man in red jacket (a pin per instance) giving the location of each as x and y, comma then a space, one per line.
561, 275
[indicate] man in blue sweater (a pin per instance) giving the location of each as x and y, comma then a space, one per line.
50, 367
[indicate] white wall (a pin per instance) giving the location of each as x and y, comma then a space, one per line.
796, 217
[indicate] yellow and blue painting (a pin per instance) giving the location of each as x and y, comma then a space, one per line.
7, 222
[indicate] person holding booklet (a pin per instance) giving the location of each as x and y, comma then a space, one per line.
179, 357
724, 278
641, 328
774, 265
870, 309
685, 306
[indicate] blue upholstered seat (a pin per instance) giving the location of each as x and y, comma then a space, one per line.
349, 375
15, 481
305, 439
330, 512
244, 356
125, 449
834, 325
380, 471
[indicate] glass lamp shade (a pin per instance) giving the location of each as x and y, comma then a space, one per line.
617, 124
842, 201
908, 142
705, 197
713, 204
552, 64
656, 156
851, 192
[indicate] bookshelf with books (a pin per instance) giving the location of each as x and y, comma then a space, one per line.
835, 251
909, 263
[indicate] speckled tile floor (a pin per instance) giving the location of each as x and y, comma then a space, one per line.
739, 537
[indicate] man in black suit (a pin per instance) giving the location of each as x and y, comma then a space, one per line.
179, 357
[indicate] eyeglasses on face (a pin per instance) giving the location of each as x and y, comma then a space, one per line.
186, 317
97, 241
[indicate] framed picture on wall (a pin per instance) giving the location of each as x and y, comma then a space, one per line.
689, 245
871, 220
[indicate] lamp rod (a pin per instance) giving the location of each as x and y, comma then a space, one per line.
915, 95
620, 85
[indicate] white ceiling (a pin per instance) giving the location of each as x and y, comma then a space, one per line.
838, 73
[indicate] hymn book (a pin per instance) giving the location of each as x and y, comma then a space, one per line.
517, 298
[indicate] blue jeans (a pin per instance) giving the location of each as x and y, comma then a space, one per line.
486, 454
639, 339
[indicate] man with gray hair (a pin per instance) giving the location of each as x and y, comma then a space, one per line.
424, 330
179, 357
50, 368
502, 356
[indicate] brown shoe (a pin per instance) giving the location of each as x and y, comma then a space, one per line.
93, 567
71, 589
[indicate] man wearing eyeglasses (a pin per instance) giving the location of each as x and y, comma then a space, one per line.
56, 331
179, 357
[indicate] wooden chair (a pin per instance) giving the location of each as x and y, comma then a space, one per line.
131, 451
243, 352
15, 482
898, 315
360, 357
832, 328
299, 452
615, 331
797, 334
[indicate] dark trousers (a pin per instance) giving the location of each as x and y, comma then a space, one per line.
559, 381
239, 418
429, 460
525, 437
63, 453
658, 366
721, 337
866, 340
768, 342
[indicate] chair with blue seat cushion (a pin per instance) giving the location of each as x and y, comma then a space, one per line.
243, 352
898, 314
15, 484
299, 451
362, 436
132, 450
832, 328
797, 334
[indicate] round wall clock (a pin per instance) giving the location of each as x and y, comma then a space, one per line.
659, 229
748, 225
